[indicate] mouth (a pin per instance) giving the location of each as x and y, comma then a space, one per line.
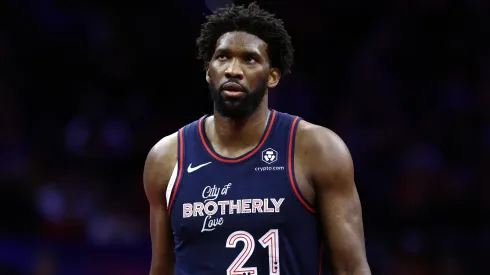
232, 90
233, 94
231, 86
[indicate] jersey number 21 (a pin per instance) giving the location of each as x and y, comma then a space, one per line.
269, 240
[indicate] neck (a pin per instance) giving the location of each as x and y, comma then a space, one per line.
240, 132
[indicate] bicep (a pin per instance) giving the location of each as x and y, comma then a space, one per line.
155, 180
341, 217
161, 240
339, 206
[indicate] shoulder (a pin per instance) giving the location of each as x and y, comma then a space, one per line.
160, 163
323, 152
320, 141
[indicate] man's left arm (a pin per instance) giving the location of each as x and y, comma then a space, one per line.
337, 200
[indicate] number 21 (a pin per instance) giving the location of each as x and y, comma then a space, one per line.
269, 240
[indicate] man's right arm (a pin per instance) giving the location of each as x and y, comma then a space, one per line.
157, 172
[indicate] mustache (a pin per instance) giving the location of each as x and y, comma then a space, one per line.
234, 81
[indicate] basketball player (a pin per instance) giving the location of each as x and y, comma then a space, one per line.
250, 190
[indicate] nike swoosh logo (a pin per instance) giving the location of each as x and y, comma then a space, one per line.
191, 169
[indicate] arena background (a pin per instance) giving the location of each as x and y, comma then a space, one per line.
87, 87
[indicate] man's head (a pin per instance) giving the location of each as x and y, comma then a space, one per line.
245, 51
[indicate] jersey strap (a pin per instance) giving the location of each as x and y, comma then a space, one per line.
176, 177
291, 174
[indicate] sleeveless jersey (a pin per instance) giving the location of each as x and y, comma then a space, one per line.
244, 215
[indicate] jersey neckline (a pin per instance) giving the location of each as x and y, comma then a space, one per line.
207, 144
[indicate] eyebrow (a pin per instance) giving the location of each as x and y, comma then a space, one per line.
243, 52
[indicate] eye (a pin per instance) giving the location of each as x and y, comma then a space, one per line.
250, 59
221, 57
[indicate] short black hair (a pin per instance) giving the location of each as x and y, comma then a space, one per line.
253, 20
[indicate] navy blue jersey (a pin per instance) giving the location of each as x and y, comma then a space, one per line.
244, 215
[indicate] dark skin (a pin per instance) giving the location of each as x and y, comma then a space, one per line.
158, 169
323, 165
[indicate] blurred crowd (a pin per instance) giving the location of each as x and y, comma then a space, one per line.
87, 88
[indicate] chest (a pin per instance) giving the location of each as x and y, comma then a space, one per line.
221, 196
257, 191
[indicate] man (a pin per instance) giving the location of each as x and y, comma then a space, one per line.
251, 190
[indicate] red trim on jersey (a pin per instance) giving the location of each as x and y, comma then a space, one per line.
291, 168
242, 158
180, 168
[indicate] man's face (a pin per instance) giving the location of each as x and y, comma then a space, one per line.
239, 74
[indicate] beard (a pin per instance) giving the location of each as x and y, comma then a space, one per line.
241, 107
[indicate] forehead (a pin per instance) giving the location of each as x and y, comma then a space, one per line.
241, 42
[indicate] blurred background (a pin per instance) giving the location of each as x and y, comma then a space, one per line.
88, 87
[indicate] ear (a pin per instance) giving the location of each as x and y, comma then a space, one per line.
208, 79
274, 77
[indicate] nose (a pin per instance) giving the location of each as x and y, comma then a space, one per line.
234, 70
